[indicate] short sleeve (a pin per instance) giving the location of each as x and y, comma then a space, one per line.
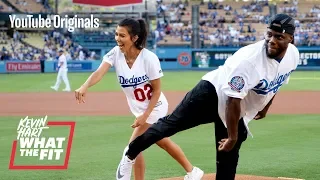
153, 67
241, 80
110, 56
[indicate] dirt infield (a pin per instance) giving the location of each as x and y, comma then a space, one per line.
238, 177
114, 103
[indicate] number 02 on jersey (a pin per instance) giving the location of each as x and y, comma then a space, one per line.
143, 94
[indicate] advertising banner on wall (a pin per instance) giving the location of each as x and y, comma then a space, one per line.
23, 66
76, 66
205, 59
211, 58
309, 58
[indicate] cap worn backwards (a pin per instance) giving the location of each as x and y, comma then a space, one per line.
282, 23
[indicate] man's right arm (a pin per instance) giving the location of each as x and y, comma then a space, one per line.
239, 82
233, 110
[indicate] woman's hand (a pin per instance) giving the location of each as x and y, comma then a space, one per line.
80, 94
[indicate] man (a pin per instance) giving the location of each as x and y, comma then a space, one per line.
42, 59
231, 96
62, 73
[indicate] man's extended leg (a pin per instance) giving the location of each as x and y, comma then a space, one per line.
227, 161
199, 106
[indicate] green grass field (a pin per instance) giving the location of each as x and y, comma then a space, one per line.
283, 145
172, 81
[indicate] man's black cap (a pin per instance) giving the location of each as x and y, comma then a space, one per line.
282, 23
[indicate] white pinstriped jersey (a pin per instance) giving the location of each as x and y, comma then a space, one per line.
253, 77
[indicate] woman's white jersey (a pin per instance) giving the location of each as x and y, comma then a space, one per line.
135, 83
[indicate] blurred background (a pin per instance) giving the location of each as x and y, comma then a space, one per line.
185, 34
188, 36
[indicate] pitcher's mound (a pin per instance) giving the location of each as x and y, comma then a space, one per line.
238, 177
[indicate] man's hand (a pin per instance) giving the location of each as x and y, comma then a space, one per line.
226, 144
140, 120
261, 114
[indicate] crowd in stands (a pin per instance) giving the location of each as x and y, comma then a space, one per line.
219, 32
26, 6
32, 6
4, 8
16, 49
55, 40
222, 24
307, 33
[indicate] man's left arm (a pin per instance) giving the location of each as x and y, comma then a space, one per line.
262, 114
60, 64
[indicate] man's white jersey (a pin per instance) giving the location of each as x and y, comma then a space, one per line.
62, 59
135, 81
253, 77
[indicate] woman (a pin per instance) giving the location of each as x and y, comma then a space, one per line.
138, 71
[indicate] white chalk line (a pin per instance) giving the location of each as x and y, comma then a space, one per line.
289, 178
305, 78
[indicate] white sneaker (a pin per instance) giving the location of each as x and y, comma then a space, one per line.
125, 167
54, 88
195, 174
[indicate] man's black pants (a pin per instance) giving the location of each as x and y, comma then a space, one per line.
199, 106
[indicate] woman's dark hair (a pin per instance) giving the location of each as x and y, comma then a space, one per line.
136, 27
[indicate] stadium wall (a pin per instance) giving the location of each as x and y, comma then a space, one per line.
170, 58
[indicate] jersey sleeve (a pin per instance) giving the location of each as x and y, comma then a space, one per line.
110, 57
153, 67
240, 80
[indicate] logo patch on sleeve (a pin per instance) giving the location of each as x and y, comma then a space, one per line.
236, 83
